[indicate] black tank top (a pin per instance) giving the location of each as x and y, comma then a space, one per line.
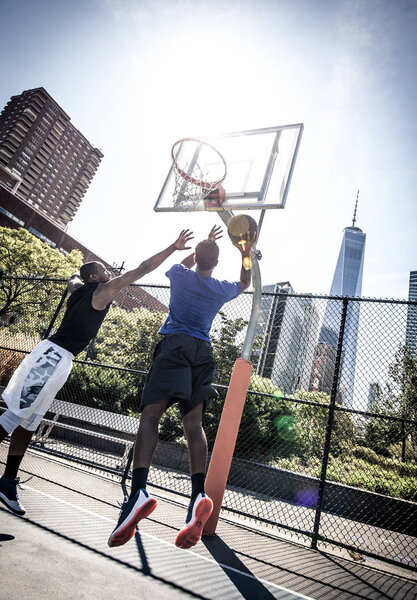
81, 321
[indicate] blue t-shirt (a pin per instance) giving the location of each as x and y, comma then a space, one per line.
195, 301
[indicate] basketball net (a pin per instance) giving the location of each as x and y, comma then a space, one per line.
188, 193
199, 171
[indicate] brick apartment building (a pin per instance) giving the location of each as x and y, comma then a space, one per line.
46, 166
44, 159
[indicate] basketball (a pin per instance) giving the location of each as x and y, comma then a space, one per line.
239, 226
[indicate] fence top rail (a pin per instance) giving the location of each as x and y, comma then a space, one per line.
279, 294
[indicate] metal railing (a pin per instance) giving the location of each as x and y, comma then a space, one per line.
327, 447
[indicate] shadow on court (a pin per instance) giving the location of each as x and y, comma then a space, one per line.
71, 512
145, 570
249, 587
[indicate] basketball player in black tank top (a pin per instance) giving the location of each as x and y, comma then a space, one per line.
44, 371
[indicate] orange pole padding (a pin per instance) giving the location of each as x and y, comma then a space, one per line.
224, 445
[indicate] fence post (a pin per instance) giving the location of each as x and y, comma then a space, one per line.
329, 427
127, 467
56, 313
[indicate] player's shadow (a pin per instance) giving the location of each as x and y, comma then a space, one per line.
146, 569
245, 582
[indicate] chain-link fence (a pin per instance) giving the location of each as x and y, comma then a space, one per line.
327, 446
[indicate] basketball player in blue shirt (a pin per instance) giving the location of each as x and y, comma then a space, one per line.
44, 371
182, 371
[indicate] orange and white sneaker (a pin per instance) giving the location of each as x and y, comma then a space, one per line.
198, 513
131, 512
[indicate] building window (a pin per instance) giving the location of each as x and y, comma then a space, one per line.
41, 236
11, 216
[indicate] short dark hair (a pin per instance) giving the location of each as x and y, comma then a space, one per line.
206, 254
87, 269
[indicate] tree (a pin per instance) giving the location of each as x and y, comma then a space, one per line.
24, 256
380, 432
403, 373
397, 399
127, 340
311, 421
225, 347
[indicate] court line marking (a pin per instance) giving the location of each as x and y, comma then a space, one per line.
171, 545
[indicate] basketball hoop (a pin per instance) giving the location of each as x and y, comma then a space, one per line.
199, 170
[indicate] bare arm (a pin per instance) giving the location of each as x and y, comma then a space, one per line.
106, 292
245, 274
245, 271
74, 282
214, 235
189, 262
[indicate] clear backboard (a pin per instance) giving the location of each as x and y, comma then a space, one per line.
260, 164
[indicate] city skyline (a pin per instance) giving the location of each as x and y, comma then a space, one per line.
347, 73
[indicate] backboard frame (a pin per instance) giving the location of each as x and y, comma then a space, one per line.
254, 199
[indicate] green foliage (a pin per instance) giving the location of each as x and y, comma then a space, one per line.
23, 254
310, 423
106, 389
128, 339
360, 470
397, 399
225, 348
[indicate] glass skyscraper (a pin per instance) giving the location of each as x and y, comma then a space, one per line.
347, 281
288, 329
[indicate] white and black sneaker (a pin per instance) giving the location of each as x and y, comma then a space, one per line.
132, 511
9, 496
198, 513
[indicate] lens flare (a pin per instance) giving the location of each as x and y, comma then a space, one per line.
307, 497
286, 427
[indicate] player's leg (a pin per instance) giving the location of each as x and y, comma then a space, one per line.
145, 444
200, 508
197, 445
201, 505
28, 395
140, 504
21, 431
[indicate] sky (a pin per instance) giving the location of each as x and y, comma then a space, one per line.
134, 76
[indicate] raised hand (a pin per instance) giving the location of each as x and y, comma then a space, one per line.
185, 236
215, 233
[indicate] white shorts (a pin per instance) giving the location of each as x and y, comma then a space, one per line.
37, 380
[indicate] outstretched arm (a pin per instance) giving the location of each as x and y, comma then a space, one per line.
74, 282
245, 271
214, 235
106, 292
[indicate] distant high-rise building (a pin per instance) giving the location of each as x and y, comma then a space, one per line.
347, 281
374, 394
44, 159
288, 328
411, 332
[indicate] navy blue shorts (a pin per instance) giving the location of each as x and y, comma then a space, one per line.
182, 370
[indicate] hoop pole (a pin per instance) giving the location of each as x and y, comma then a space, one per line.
256, 306
224, 445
